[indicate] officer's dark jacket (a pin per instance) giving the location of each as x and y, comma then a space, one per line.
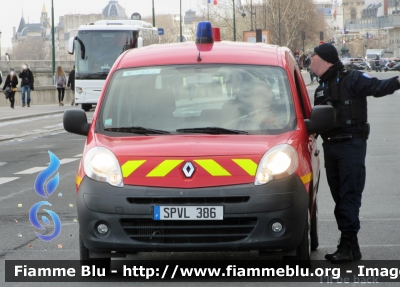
346, 91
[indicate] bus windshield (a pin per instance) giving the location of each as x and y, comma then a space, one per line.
96, 51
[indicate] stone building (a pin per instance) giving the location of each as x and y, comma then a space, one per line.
40, 31
67, 27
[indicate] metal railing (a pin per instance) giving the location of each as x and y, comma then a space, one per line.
374, 23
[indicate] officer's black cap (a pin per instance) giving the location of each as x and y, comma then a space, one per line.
327, 52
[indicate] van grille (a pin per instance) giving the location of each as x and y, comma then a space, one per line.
190, 200
188, 231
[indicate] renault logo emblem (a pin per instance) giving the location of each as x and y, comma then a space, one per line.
188, 169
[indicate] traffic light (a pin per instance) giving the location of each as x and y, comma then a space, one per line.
321, 35
303, 35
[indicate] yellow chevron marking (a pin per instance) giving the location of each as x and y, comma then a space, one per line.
248, 165
130, 166
306, 178
212, 167
78, 180
164, 168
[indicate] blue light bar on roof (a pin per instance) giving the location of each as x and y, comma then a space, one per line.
204, 33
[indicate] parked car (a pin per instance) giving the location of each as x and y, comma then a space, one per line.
356, 64
380, 67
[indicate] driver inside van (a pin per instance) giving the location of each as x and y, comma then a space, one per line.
254, 101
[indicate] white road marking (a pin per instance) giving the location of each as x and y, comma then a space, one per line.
14, 122
2, 163
14, 194
67, 160
7, 179
31, 170
78, 155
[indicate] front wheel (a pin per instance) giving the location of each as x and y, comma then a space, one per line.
369, 69
303, 251
314, 228
86, 107
104, 263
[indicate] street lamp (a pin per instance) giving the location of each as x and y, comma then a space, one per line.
279, 22
154, 19
234, 20
180, 20
53, 52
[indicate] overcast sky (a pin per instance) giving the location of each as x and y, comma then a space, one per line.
11, 11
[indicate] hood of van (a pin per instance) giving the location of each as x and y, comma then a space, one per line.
190, 161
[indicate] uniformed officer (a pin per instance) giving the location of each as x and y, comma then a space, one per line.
345, 145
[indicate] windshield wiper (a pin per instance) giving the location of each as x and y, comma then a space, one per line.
211, 130
137, 130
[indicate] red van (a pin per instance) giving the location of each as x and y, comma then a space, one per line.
204, 146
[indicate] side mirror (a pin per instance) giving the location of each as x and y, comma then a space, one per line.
322, 119
75, 121
71, 45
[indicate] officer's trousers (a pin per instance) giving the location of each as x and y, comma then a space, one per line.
345, 171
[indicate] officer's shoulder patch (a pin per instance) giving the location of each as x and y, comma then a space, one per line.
366, 75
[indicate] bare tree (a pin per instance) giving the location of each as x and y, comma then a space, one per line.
170, 26
32, 48
284, 19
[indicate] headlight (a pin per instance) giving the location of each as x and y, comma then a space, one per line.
79, 90
278, 162
101, 164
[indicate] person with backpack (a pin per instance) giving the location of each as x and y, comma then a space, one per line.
60, 80
11, 82
345, 144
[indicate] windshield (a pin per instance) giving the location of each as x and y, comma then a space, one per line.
195, 99
96, 51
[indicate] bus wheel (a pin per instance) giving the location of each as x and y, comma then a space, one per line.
86, 107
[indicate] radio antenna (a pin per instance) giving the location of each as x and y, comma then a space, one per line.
201, 36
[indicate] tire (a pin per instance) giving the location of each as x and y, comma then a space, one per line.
369, 69
314, 228
86, 107
303, 251
97, 262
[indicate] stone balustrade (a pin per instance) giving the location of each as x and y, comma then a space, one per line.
45, 92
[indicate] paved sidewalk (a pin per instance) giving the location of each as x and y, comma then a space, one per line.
7, 113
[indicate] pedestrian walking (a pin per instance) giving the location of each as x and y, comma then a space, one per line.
60, 80
345, 145
7, 57
27, 80
71, 84
11, 82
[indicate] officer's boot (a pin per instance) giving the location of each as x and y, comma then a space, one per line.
348, 249
356, 249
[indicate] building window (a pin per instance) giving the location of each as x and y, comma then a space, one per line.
353, 13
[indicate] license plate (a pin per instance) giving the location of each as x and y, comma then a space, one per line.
188, 213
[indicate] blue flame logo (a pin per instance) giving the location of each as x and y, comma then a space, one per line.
45, 174
35, 222
46, 192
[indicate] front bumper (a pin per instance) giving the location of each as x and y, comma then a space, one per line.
249, 212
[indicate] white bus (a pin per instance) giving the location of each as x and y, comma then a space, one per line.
97, 46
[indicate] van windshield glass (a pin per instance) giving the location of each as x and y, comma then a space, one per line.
209, 99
